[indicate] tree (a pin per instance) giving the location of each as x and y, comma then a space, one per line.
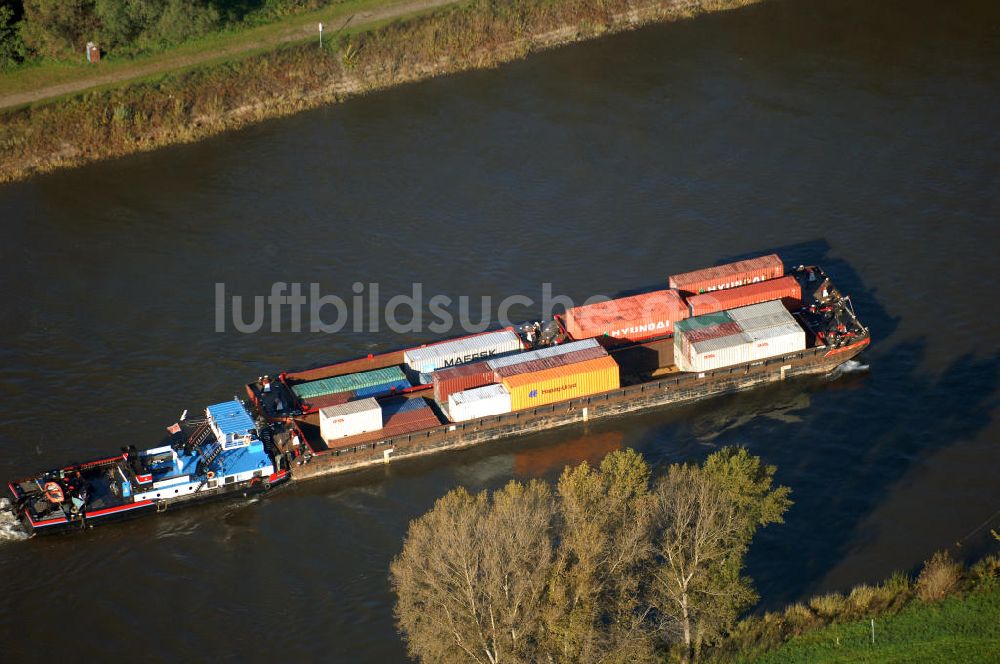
595, 612
706, 517
472, 574
604, 569
56, 28
11, 45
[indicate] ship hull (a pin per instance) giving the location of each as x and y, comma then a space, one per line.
61, 523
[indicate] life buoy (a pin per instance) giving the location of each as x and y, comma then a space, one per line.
210, 474
54, 493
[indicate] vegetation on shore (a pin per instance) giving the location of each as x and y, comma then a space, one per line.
188, 105
960, 629
938, 617
614, 565
34, 32
607, 566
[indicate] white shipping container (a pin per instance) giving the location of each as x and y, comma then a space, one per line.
350, 419
549, 351
777, 340
764, 314
462, 351
714, 353
478, 402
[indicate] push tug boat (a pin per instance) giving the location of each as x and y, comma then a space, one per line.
220, 456
723, 329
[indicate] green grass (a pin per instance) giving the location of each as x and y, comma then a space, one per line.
47, 73
959, 629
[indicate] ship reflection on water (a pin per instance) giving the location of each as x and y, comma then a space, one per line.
546, 460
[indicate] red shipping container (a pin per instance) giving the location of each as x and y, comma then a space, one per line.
629, 319
396, 425
712, 332
462, 377
786, 289
544, 363
729, 275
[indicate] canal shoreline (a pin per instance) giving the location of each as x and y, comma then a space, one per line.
188, 106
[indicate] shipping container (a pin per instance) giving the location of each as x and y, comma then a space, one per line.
478, 402
729, 275
715, 353
551, 362
350, 382
549, 351
382, 389
350, 419
786, 289
765, 314
393, 407
569, 382
776, 340
645, 358
427, 359
735, 336
415, 416
627, 319
456, 379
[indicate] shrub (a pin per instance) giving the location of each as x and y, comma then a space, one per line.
862, 600
985, 574
799, 618
939, 578
828, 606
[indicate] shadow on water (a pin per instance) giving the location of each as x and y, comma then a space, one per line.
860, 457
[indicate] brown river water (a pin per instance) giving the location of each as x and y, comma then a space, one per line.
860, 136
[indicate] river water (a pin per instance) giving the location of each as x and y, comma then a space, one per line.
860, 137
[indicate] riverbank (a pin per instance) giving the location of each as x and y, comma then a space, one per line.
948, 613
965, 629
198, 102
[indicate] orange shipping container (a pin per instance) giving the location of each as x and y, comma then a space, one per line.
786, 289
560, 383
629, 319
729, 275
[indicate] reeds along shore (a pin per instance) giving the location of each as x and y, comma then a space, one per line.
189, 105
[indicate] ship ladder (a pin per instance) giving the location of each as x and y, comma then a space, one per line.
198, 438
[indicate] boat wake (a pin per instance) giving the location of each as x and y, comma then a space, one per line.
10, 529
849, 367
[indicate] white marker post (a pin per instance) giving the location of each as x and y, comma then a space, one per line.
321, 35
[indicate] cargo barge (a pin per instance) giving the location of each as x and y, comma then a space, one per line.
723, 329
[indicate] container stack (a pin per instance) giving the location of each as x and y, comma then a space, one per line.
627, 319
745, 334
526, 380
400, 416
539, 388
786, 289
428, 359
730, 275
341, 389
456, 379
479, 402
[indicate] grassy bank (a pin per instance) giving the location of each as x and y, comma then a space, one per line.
949, 613
960, 629
190, 104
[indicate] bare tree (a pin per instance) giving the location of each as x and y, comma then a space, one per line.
472, 575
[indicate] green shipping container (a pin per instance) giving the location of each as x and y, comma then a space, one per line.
348, 383
703, 321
